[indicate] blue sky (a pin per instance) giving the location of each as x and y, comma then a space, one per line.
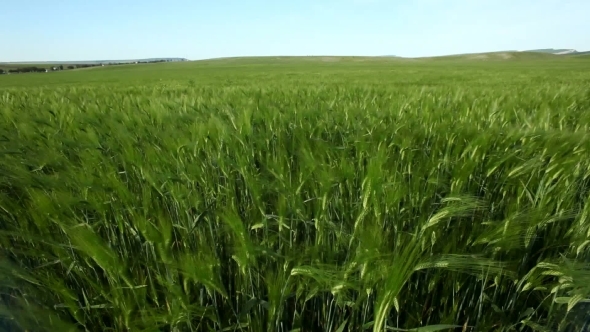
45, 30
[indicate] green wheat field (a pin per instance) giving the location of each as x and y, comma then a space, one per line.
298, 194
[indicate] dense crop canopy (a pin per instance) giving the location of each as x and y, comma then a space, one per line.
297, 195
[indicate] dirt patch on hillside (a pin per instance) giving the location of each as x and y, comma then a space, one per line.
479, 57
505, 55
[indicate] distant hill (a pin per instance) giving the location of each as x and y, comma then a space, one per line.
495, 56
539, 54
559, 51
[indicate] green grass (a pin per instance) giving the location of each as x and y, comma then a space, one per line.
288, 194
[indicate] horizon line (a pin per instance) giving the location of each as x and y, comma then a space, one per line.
292, 56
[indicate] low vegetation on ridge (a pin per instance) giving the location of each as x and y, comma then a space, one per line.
297, 195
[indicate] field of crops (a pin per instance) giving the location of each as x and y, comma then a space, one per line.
286, 194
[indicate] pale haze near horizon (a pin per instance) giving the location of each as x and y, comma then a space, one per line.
76, 30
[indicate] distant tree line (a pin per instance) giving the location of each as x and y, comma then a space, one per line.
28, 70
33, 69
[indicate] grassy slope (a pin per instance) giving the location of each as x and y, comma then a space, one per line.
275, 193
580, 54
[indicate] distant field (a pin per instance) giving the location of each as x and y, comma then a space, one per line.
298, 194
372, 70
